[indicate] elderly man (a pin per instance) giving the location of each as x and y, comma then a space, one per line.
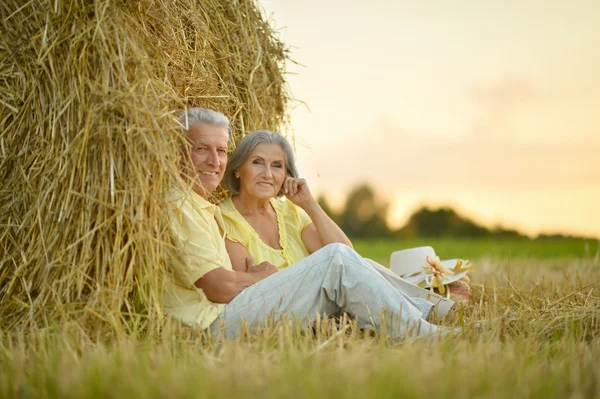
207, 293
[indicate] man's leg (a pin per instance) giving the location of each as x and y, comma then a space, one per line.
331, 280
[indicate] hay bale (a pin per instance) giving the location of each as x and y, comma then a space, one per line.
89, 143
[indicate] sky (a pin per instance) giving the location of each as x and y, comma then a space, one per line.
491, 107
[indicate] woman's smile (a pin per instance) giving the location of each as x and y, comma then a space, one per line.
265, 184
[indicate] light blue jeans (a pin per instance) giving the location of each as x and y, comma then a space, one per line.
332, 280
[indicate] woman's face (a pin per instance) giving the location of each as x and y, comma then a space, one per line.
262, 174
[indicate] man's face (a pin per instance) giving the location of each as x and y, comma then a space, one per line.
208, 156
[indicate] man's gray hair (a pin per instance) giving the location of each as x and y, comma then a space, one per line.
195, 115
246, 146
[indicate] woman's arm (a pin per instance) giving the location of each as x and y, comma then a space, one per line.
237, 254
322, 230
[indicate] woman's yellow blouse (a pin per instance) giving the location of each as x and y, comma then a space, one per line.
291, 220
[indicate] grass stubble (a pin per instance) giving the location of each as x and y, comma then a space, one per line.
533, 331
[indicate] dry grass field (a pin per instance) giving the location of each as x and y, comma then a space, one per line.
533, 331
90, 92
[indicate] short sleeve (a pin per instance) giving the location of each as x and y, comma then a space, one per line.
197, 254
303, 218
294, 216
233, 231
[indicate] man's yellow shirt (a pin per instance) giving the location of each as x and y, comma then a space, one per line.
198, 227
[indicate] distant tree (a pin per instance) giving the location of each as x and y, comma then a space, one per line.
501, 232
364, 215
551, 237
442, 222
558, 236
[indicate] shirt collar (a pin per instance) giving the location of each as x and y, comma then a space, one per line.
201, 202
212, 208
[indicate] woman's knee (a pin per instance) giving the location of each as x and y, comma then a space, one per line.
336, 249
343, 251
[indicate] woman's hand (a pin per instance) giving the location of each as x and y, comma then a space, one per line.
297, 191
265, 269
322, 231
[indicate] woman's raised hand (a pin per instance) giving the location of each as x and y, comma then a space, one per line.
297, 191
322, 231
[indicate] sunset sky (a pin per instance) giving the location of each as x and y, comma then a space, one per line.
492, 107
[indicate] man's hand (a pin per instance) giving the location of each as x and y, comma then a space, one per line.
265, 269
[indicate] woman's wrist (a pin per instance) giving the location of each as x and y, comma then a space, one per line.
311, 206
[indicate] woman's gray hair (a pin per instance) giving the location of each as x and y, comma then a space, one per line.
195, 115
246, 146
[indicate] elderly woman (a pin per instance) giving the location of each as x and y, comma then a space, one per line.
262, 227
259, 224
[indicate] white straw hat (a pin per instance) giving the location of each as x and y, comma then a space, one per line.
411, 264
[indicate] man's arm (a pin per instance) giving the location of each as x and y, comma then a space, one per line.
221, 285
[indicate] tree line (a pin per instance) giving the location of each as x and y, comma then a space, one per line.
365, 214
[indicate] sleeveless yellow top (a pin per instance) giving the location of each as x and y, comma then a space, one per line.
291, 220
